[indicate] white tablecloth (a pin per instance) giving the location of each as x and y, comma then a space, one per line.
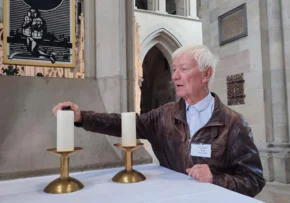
161, 185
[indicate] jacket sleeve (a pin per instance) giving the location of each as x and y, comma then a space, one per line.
247, 176
110, 124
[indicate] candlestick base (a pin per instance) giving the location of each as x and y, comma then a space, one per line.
64, 184
128, 175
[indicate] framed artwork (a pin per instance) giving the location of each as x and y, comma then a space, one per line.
233, 25
39, 33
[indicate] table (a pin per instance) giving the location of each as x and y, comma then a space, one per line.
162, 185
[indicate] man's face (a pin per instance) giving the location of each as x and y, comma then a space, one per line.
187, 77
32, 12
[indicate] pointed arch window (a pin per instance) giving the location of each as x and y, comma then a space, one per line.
141, 4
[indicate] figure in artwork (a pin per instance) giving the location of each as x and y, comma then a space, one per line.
34, 29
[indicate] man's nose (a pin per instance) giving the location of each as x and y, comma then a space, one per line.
175, 75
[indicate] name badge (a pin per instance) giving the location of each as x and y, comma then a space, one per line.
201, 150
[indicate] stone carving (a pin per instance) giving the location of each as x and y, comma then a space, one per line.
55, 72
81, 47
138, 69
235, 89
11, 70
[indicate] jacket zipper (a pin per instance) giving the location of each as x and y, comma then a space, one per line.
189, 141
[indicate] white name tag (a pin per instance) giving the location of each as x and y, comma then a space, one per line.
201, 150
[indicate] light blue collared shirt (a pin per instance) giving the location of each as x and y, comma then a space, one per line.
199, 114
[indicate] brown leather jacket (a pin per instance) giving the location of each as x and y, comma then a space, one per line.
234, 162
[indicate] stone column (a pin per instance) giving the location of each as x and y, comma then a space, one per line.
115, 56
277, 72
180, 7
162, 6
286, 37
157, 5
276, 156
111, 52
192, 8
150, 5
130, 54
90, 40
186, 8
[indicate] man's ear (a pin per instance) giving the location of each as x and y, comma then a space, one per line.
207, 74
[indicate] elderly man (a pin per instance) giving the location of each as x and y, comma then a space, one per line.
198, 135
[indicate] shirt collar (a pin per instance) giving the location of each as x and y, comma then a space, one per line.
202, 104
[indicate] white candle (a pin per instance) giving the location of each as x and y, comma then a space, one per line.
128, 129
65, 131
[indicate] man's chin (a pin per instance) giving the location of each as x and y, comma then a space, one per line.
179, 94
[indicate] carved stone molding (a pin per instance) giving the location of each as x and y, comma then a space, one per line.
235, 89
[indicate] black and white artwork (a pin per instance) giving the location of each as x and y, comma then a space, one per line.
39, 32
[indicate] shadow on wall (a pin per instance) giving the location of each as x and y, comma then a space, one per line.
15, 122
28, 126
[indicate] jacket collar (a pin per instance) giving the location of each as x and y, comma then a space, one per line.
217, 118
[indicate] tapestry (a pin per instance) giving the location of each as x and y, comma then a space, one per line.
39, 32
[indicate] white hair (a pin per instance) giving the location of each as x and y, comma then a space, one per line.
201, 54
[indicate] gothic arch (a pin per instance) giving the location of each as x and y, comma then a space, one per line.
164, 40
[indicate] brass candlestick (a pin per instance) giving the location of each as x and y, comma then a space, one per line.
64, 184
128, 175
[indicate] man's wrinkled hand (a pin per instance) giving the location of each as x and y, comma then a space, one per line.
74, 108
201, 172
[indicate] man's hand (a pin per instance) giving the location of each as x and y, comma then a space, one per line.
201, 172
74, 108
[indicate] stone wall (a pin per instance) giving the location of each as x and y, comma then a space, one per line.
241, 56
285, 5
262, 59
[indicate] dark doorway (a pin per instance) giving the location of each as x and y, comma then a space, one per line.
156, 88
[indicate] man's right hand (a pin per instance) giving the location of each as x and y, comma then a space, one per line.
74, 108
